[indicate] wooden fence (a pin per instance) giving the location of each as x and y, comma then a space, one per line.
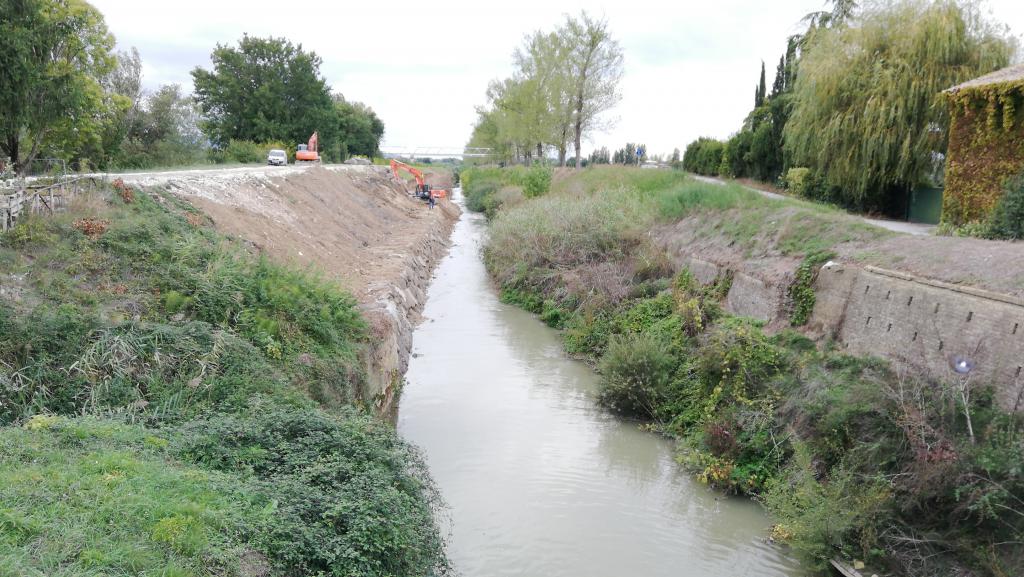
42, 198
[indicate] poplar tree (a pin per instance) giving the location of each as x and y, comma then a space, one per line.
594, 61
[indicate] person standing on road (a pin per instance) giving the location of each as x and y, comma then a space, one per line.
431, 201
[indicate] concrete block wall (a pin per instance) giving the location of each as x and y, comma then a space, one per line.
749, 296
925, 324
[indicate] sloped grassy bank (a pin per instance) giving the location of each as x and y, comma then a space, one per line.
175, 405
852, 457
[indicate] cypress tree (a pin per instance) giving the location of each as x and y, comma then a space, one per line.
761, 89
779, 85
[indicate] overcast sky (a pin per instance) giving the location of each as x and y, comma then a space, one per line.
690, 67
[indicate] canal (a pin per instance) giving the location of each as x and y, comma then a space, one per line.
539, 480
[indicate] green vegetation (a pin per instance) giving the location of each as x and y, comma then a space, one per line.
67, 95
856, 102
1007, 219
851, 458
54, 57
985, 142
487, 189
164, 131
563, 81
1004, 222
88, 497
801, 292
269, 89
876, 72
703, 156
197, 402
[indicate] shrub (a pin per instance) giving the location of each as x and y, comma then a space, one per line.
249, 152
334, 481
737, 360
825, 517
29, 231
537, 181
1007, 219
92, 227
244, 151
799, 181
703, 156
587, 333
635, 371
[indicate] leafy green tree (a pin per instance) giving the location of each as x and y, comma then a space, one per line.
359, 129
866, 111
487, 134
545, 92
122, 89
703, 156
842, 11
564, 81
594, 63
265, 89
53, 54
164, 132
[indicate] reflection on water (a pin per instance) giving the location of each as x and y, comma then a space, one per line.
540, 481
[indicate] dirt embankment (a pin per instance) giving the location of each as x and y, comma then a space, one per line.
354, 224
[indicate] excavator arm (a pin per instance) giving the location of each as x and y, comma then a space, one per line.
396, 166
423, 190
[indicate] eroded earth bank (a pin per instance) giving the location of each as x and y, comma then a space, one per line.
353, 224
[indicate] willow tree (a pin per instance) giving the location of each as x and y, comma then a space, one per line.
866, 115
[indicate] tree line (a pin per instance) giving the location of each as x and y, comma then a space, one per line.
854, 115
67, 94
564, 82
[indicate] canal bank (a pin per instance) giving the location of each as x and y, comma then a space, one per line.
538, 478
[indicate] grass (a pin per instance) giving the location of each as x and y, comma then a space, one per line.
604, 214
223, 390
61, 480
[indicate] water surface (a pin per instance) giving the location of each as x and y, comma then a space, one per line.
539, 480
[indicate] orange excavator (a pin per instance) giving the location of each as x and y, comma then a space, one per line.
423, 190
308, 152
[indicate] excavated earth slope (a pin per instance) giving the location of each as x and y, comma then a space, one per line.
354, 224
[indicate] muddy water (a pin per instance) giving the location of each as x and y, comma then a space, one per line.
540, 481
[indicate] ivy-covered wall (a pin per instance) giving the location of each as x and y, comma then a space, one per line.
986, 147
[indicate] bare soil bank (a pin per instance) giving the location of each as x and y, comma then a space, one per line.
353, 224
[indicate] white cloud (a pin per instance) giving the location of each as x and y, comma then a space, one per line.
690, 67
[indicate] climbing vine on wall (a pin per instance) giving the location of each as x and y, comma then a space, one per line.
801, 292
986, 148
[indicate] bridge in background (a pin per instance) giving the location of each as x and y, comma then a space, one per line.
433, 152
